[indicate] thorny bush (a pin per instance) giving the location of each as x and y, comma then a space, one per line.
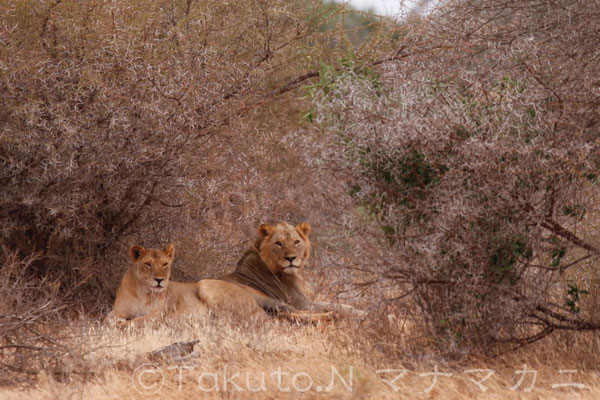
476, 153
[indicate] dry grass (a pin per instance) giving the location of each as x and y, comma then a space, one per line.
112, 364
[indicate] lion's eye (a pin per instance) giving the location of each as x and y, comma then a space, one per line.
165, 265
148, 265
297, 242
278, 244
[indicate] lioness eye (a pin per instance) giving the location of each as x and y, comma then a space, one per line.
148, 265
165, 265
278, 244
297, 242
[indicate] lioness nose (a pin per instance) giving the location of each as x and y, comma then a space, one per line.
290, 259
158, 280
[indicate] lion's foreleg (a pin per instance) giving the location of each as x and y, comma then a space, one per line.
319, 307
342, 309
273, 305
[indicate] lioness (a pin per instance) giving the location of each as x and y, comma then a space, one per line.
146, 291
269, 271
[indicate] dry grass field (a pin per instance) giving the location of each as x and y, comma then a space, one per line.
277, 360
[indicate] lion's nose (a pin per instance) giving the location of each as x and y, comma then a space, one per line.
290, 259
158, 281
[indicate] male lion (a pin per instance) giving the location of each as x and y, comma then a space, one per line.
269, 271
146, 291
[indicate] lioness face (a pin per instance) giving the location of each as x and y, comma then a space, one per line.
152, 266
284, 248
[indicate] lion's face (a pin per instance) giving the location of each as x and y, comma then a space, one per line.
152, 266
284, 248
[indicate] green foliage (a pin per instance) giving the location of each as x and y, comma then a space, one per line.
504, 258
354, 190
510, 83
573, 297
389, 233
401, 181
411, 172
557, 255
332, 76
347, 67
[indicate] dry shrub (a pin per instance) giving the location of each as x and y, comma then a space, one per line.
475, 152
146, 122
126, 121
27, 345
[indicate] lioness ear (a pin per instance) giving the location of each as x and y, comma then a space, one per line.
135, 252
170, 250
304, 229
264, 230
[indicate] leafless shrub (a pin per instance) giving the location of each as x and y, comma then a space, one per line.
121, 122
474, 149
25, 345
148, 122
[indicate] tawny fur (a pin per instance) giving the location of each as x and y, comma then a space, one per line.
270, 271
142, 298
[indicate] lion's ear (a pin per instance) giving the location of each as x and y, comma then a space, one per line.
136, 252
304, 229
170, 250
264, 230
